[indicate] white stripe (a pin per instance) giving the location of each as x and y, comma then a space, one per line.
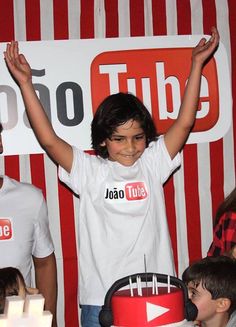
25, 172
54, 221
229, 164
171, 17
99, 19
196, 17
46, 19
204, 193
203, 155
124, 18
74, 10
228, 140
2, 165
181, 224
148, 21
19, 20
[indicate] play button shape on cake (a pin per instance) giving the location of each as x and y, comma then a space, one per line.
154, 311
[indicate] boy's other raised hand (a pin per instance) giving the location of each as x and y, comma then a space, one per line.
204, 49
17, 64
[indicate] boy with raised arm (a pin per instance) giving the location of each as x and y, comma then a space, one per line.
121, 211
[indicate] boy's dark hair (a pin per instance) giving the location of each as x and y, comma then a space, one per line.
1, 128
9, 284
229, 204
217, 275
114, 111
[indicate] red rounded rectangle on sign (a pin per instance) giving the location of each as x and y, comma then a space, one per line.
158, 78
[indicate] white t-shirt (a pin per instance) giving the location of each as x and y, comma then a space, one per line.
24, 226
232, 320
122, 217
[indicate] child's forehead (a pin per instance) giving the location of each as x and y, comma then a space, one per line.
130, 125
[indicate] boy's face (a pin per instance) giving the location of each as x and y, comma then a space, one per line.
127, 143
207, 307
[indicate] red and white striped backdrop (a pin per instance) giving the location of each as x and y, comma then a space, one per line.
208, 170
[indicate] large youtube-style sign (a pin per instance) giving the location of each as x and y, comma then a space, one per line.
155, 69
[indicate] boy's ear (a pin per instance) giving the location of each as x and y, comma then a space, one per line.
223, 304
103, 143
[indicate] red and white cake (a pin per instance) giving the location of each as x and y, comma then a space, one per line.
163, 309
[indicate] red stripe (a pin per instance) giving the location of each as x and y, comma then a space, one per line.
111, 10
209, 15
184, 17
32, 12
68, 241
87, 19
70, 265
190, 159
192, 202
12, 165
60, 15
216, 148
6, 21
38, 172
137, 18
159, 28
169, 193
232, 22
159, 17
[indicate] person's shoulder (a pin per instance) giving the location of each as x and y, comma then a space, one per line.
27, 188
232, 320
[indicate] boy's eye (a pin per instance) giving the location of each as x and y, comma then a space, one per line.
117, 139
140, 137
192, 293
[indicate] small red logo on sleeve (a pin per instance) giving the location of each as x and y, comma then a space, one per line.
5, 229
135, 191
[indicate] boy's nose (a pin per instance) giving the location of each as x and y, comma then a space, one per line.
130, 146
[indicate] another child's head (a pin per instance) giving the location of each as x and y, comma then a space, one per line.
116, 111
212, 287
11, 283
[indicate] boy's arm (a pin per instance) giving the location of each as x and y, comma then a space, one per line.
46, 282
177, 134
60, 151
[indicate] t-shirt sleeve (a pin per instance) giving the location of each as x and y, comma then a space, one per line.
43, 244
81, 166
158, 156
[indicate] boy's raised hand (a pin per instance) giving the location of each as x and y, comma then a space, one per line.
17, 64
204, 49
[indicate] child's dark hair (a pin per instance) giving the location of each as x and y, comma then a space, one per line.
114, 111
229, 204
217, 275
1, 128
9, 284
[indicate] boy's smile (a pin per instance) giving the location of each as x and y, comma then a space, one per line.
127, 143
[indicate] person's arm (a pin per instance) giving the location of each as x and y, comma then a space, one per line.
46, 282
60, 151
177, 134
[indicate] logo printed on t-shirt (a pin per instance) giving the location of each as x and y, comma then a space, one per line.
5, 229
126, 191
